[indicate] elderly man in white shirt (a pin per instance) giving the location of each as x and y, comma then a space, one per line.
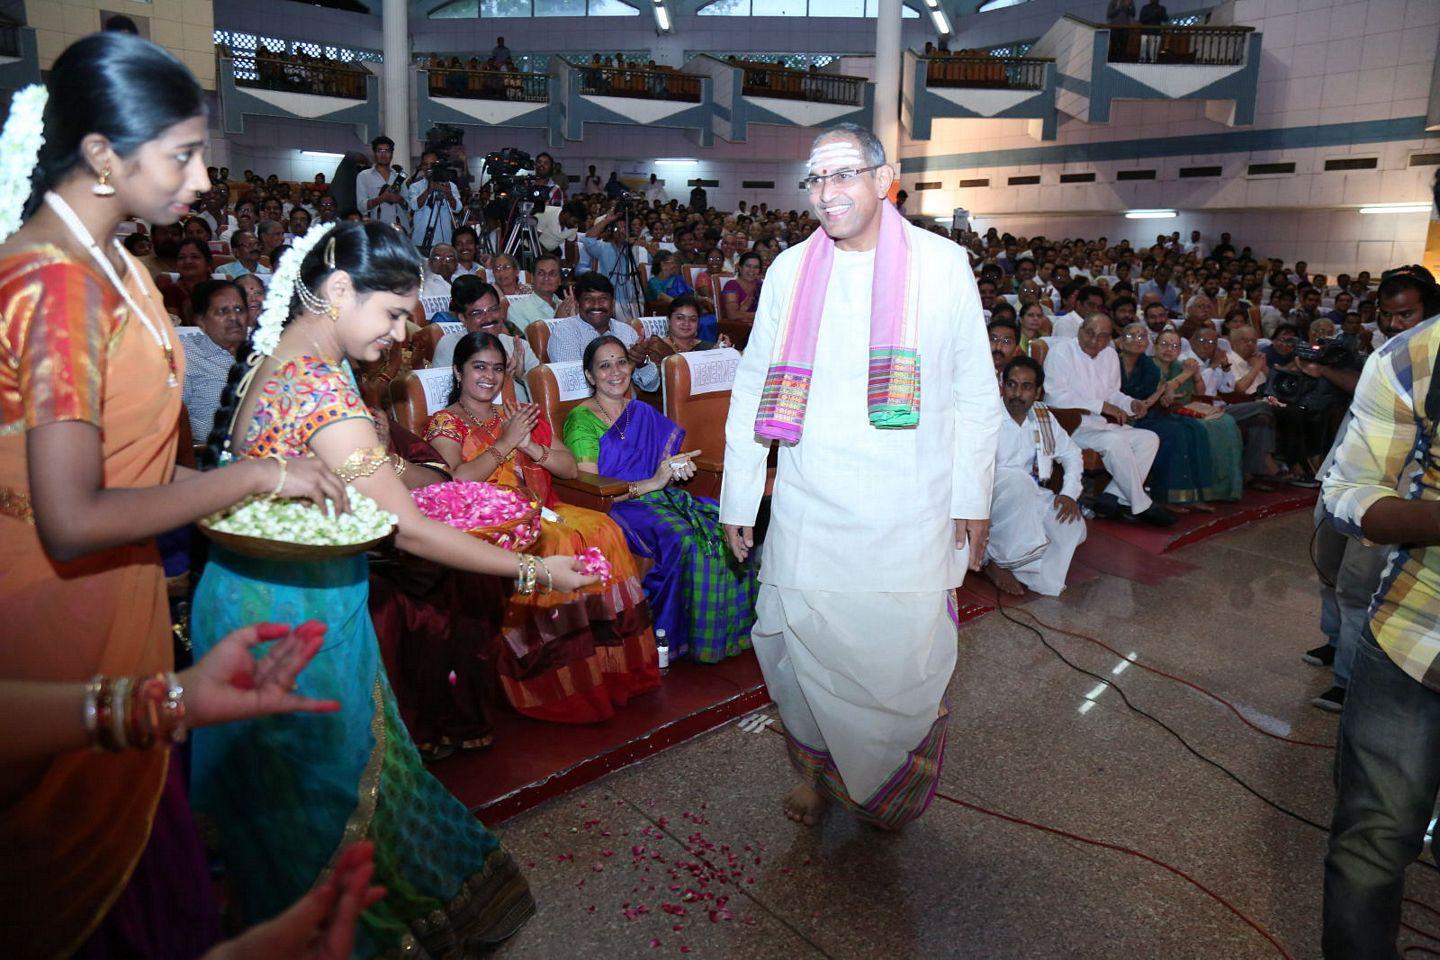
1083, 373
439, 271
1033, 533
882, 499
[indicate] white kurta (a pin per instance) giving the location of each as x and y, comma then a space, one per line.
856, 508
1076, 380
853, 632
1027, 537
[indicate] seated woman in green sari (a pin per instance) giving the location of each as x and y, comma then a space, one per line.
699, 595
1182, 384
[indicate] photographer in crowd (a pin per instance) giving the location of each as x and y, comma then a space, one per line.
434, 196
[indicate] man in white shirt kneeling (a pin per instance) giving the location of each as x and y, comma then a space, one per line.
1033, 532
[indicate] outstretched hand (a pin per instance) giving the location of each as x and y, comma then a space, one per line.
229, 683
321, 924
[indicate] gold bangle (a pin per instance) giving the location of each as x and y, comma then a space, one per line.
284, 472
399, 463
362, 463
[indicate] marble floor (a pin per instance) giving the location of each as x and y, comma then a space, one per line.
687, 853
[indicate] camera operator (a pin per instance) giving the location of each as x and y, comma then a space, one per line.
435, 202
545, 177
1383, 487
378, 190
1309, 385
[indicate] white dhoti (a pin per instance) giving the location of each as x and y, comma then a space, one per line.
1027, 537
1128, 453
859, 679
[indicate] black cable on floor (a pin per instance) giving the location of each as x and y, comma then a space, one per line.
1110, 682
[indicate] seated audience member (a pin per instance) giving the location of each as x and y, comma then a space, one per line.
254, 289
1033, 533
1082, 373
1084, 301
1344, 302
1354, 335
1122, 311
1183, 382
478, 307
667, 284
246, 249
194, 263
1182, 464
467, 245
708, 282
699, 594
439, 271
507, 276
566, 657
1277, 311
545, 301
299, 222
1255, 418
218, 307
1004, 342
570, 336
138, 244
1160, 286
1034, 324
740, 297
683, 332
272, 241
198, 229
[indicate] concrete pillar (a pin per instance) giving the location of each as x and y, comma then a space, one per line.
396, 97
887, 79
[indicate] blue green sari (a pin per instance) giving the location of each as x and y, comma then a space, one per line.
1181, 469
282, 795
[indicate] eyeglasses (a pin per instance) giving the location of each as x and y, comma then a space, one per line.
841, 178
1134, 336
480, 313
441, 258
1003, 341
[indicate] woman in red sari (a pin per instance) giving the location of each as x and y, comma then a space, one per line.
566, 657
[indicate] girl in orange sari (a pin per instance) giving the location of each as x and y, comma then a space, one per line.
89, 424
566, 657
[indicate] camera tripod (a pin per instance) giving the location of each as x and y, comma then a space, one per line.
523, 243
625, 275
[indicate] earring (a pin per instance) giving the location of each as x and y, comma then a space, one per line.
101, 187
334, 312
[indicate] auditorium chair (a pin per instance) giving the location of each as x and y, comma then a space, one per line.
429, 306
417, 395
422, 348
1096, 477
557, 388
696, 390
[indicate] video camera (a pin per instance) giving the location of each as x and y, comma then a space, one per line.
1329, 352
509, 187
442, 140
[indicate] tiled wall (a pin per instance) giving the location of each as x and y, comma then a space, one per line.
185, 27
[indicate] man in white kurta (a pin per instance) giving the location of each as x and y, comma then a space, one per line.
1084, 373
1033, 532
871, 530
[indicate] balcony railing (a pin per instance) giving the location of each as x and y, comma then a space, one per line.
1201, 46
639, 83
300, 74
766, 80
1004, 73
489, 84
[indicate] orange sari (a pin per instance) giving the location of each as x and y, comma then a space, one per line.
566, 657
72, 827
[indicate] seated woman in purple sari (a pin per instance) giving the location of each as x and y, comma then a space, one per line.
700, 596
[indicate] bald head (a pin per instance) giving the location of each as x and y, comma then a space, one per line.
443, 260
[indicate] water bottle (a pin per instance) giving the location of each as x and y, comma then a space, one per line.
662, 652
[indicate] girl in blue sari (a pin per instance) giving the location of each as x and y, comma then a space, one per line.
702, 598
284, 794
1181, 470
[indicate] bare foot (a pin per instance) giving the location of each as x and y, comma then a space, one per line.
804, 805
1003, 579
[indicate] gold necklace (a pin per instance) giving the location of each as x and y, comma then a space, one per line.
471, 414
610, 421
